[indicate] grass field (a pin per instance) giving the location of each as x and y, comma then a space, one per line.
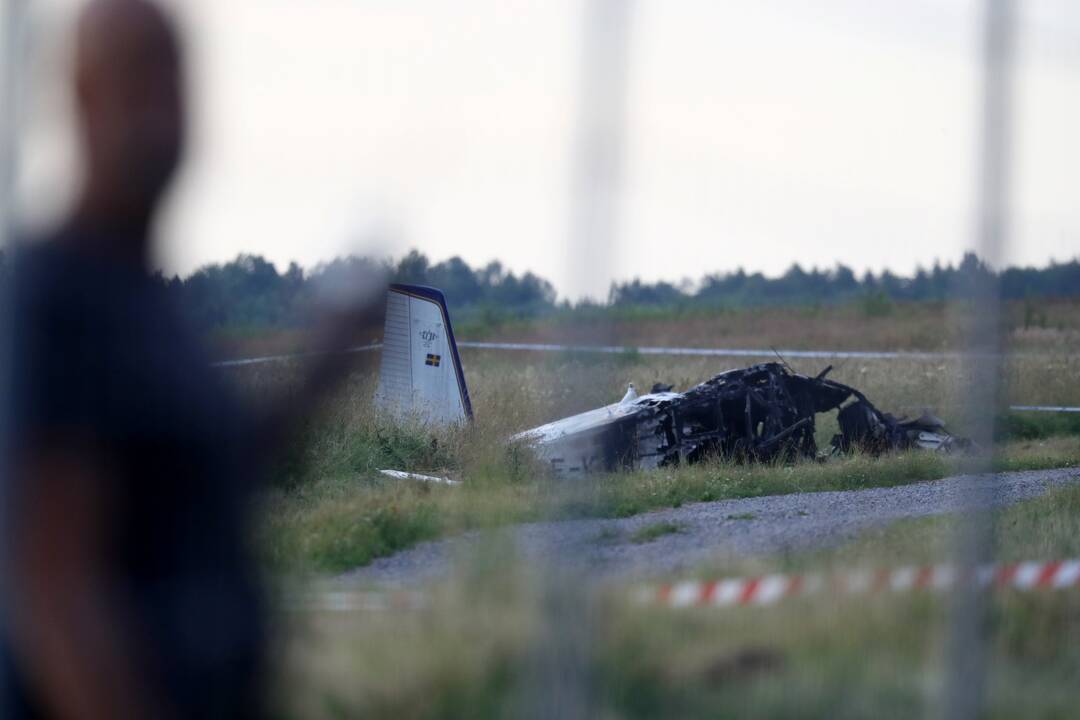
494, 639
331, 510
484, 642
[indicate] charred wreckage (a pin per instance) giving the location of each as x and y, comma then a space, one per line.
763, 413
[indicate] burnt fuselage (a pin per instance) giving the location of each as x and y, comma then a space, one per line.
761, 413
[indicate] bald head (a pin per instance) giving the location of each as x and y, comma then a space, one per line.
128, 86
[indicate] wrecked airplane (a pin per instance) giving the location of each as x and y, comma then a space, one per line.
763, 413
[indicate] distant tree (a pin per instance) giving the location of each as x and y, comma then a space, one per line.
457, 280
413, 268
638, 293
843, 281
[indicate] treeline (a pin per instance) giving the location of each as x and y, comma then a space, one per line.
798, 286
250, 293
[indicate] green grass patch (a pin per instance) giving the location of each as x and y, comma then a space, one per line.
1037, 425
343, 520
330, 448
623, 495
648, 533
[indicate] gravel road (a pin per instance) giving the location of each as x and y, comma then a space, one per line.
715, 530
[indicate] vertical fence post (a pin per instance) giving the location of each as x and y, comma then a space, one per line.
561, 682
967, 646
597, 161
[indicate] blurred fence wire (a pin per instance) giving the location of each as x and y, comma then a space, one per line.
967, 657
560, 682
597, 164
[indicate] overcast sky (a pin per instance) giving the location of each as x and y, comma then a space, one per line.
759, 133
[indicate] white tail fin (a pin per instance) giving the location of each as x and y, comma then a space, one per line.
421, 376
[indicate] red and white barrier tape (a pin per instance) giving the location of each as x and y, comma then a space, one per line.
762, 590
770, 589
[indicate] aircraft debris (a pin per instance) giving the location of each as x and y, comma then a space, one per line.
762, 413
402, 475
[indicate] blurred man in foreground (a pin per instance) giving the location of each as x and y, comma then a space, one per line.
128, 592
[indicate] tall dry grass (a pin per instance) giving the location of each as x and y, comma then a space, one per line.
331, 510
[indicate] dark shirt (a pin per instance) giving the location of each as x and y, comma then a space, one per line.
100, 355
